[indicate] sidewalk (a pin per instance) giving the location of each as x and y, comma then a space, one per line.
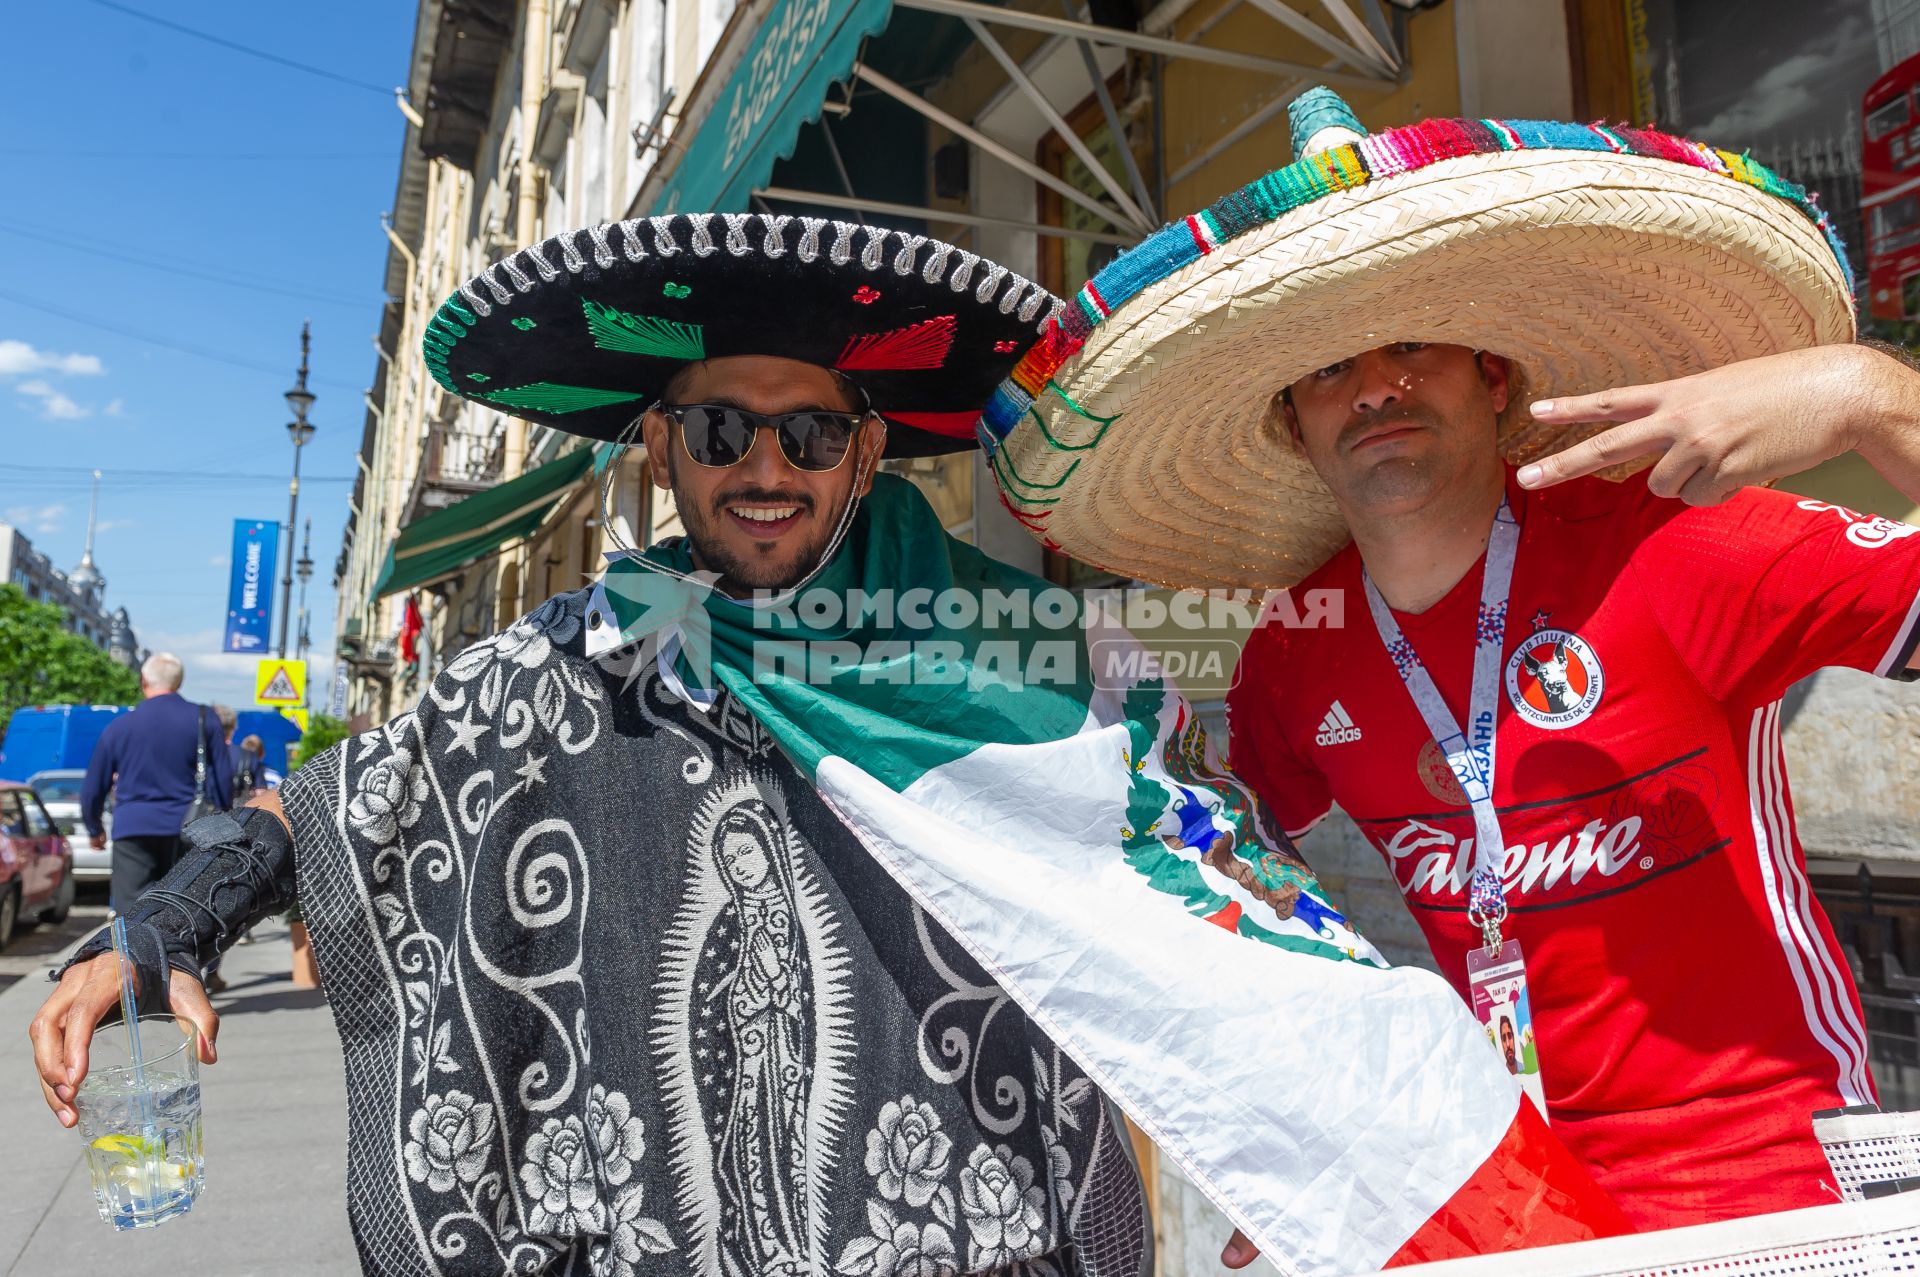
275, 1108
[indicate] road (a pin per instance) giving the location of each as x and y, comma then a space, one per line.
34, 945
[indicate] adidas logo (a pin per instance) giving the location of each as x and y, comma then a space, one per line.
1336, 728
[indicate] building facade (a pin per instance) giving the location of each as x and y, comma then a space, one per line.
1047, 143
81, 594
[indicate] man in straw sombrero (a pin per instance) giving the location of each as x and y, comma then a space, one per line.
1551, 702
792, 900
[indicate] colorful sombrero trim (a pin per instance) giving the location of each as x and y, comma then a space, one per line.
1340, 168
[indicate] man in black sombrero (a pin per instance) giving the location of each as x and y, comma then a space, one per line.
616, 990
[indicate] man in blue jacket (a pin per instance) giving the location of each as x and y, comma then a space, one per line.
149, 760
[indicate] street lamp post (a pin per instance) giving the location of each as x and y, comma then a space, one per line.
300, 399
305, 568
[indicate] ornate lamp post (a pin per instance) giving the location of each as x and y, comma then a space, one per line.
300, 399
305, 569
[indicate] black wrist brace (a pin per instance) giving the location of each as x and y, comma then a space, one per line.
236, 870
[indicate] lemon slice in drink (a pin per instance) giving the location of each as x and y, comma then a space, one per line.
129, 1146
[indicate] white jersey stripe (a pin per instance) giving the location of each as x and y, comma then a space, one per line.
1794, 888
1901, 639
1827, 974
1769, 875
1820, 957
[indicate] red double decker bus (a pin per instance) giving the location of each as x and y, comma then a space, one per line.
1890, 192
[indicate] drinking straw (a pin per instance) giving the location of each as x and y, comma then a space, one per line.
128, 1010
129, 1013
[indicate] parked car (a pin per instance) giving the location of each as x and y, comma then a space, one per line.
59, 792
36, 863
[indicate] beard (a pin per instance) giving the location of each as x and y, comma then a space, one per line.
765, 566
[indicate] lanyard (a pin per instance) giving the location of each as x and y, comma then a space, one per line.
1469, 753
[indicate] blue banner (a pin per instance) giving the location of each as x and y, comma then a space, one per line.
256, 543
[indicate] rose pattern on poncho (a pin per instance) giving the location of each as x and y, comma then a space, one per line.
617, 1134
907, 1153
558, 1177
1002, 1204
390, 798
448, 1140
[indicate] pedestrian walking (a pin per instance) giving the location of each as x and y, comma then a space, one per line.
165, 764
249, 768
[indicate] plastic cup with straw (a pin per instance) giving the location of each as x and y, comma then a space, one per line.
141, 1116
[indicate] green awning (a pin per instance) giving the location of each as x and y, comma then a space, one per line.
447, 540
802, 47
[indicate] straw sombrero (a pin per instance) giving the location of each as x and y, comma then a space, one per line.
583, 331
1138, 436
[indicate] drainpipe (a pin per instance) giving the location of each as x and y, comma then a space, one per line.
533, 87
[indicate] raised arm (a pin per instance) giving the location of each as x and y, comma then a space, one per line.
238, 868
1749, 423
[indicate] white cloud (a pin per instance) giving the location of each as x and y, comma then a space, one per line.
17, 359
220, 561
40, 520
215, 677
54, 406
114, 408
114, 525
1790, 88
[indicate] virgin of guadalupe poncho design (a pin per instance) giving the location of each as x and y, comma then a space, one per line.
618, 994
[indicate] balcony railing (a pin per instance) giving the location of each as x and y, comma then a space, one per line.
462, 460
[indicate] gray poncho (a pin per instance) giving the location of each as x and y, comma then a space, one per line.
618, 994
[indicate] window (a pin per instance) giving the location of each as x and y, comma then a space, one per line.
1894, 217
39, 824
1886, 118
13, 821
59, 789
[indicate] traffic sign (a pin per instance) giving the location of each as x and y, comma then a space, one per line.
298, 715
279, 682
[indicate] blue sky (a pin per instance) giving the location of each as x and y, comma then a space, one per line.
143, 146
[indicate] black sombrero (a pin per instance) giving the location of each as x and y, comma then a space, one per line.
583, 331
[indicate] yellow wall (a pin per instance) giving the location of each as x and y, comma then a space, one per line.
1204, 102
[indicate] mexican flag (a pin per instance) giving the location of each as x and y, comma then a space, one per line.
1005, 753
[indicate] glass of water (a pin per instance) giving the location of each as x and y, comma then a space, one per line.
143, 1127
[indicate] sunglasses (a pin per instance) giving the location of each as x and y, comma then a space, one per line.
717, 436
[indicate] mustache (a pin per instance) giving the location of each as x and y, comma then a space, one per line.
1394, 418
766, 496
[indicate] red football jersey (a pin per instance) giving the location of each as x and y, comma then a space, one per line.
1691, 1005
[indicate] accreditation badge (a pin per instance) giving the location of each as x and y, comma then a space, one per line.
1497, 983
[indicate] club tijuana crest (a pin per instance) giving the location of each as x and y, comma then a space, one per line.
1554, 679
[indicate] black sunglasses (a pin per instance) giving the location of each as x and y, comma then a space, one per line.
718, 436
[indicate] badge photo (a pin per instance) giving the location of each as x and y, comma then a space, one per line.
1554, 679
